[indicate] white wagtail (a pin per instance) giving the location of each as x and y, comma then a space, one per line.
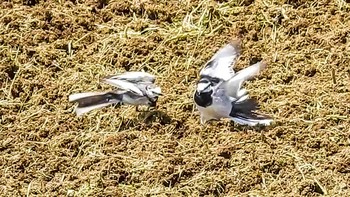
133, 88
219, 93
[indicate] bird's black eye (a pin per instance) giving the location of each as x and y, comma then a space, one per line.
215, 80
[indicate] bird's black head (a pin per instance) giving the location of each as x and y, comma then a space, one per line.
203, 94
153, 101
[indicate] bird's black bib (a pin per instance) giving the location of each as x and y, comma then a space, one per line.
203, 99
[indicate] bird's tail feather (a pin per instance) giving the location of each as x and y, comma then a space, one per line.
251, 119
94, 100
243, 113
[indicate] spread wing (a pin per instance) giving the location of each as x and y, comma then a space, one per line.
220, 65
233, 86
133, 77
130, 81
125, 85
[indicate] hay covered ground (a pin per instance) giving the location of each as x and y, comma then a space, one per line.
50, 49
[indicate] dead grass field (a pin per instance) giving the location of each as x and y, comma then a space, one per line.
50, 49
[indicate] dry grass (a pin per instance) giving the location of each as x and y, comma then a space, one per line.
51, 49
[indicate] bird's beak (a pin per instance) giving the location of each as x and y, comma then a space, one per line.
153, 104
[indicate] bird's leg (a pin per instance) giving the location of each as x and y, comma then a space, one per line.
203, 120
147, 110
150, 114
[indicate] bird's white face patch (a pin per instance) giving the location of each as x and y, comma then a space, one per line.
202, 86
157, 90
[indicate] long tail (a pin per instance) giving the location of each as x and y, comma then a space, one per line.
252, 119
244, 113
94, 100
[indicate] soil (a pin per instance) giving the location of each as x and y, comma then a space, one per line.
51, 49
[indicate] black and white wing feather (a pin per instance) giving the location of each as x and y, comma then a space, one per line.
220, 65
130, 81
233, 85
134, 77
243, 112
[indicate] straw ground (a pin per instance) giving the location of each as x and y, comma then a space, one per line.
50, 49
